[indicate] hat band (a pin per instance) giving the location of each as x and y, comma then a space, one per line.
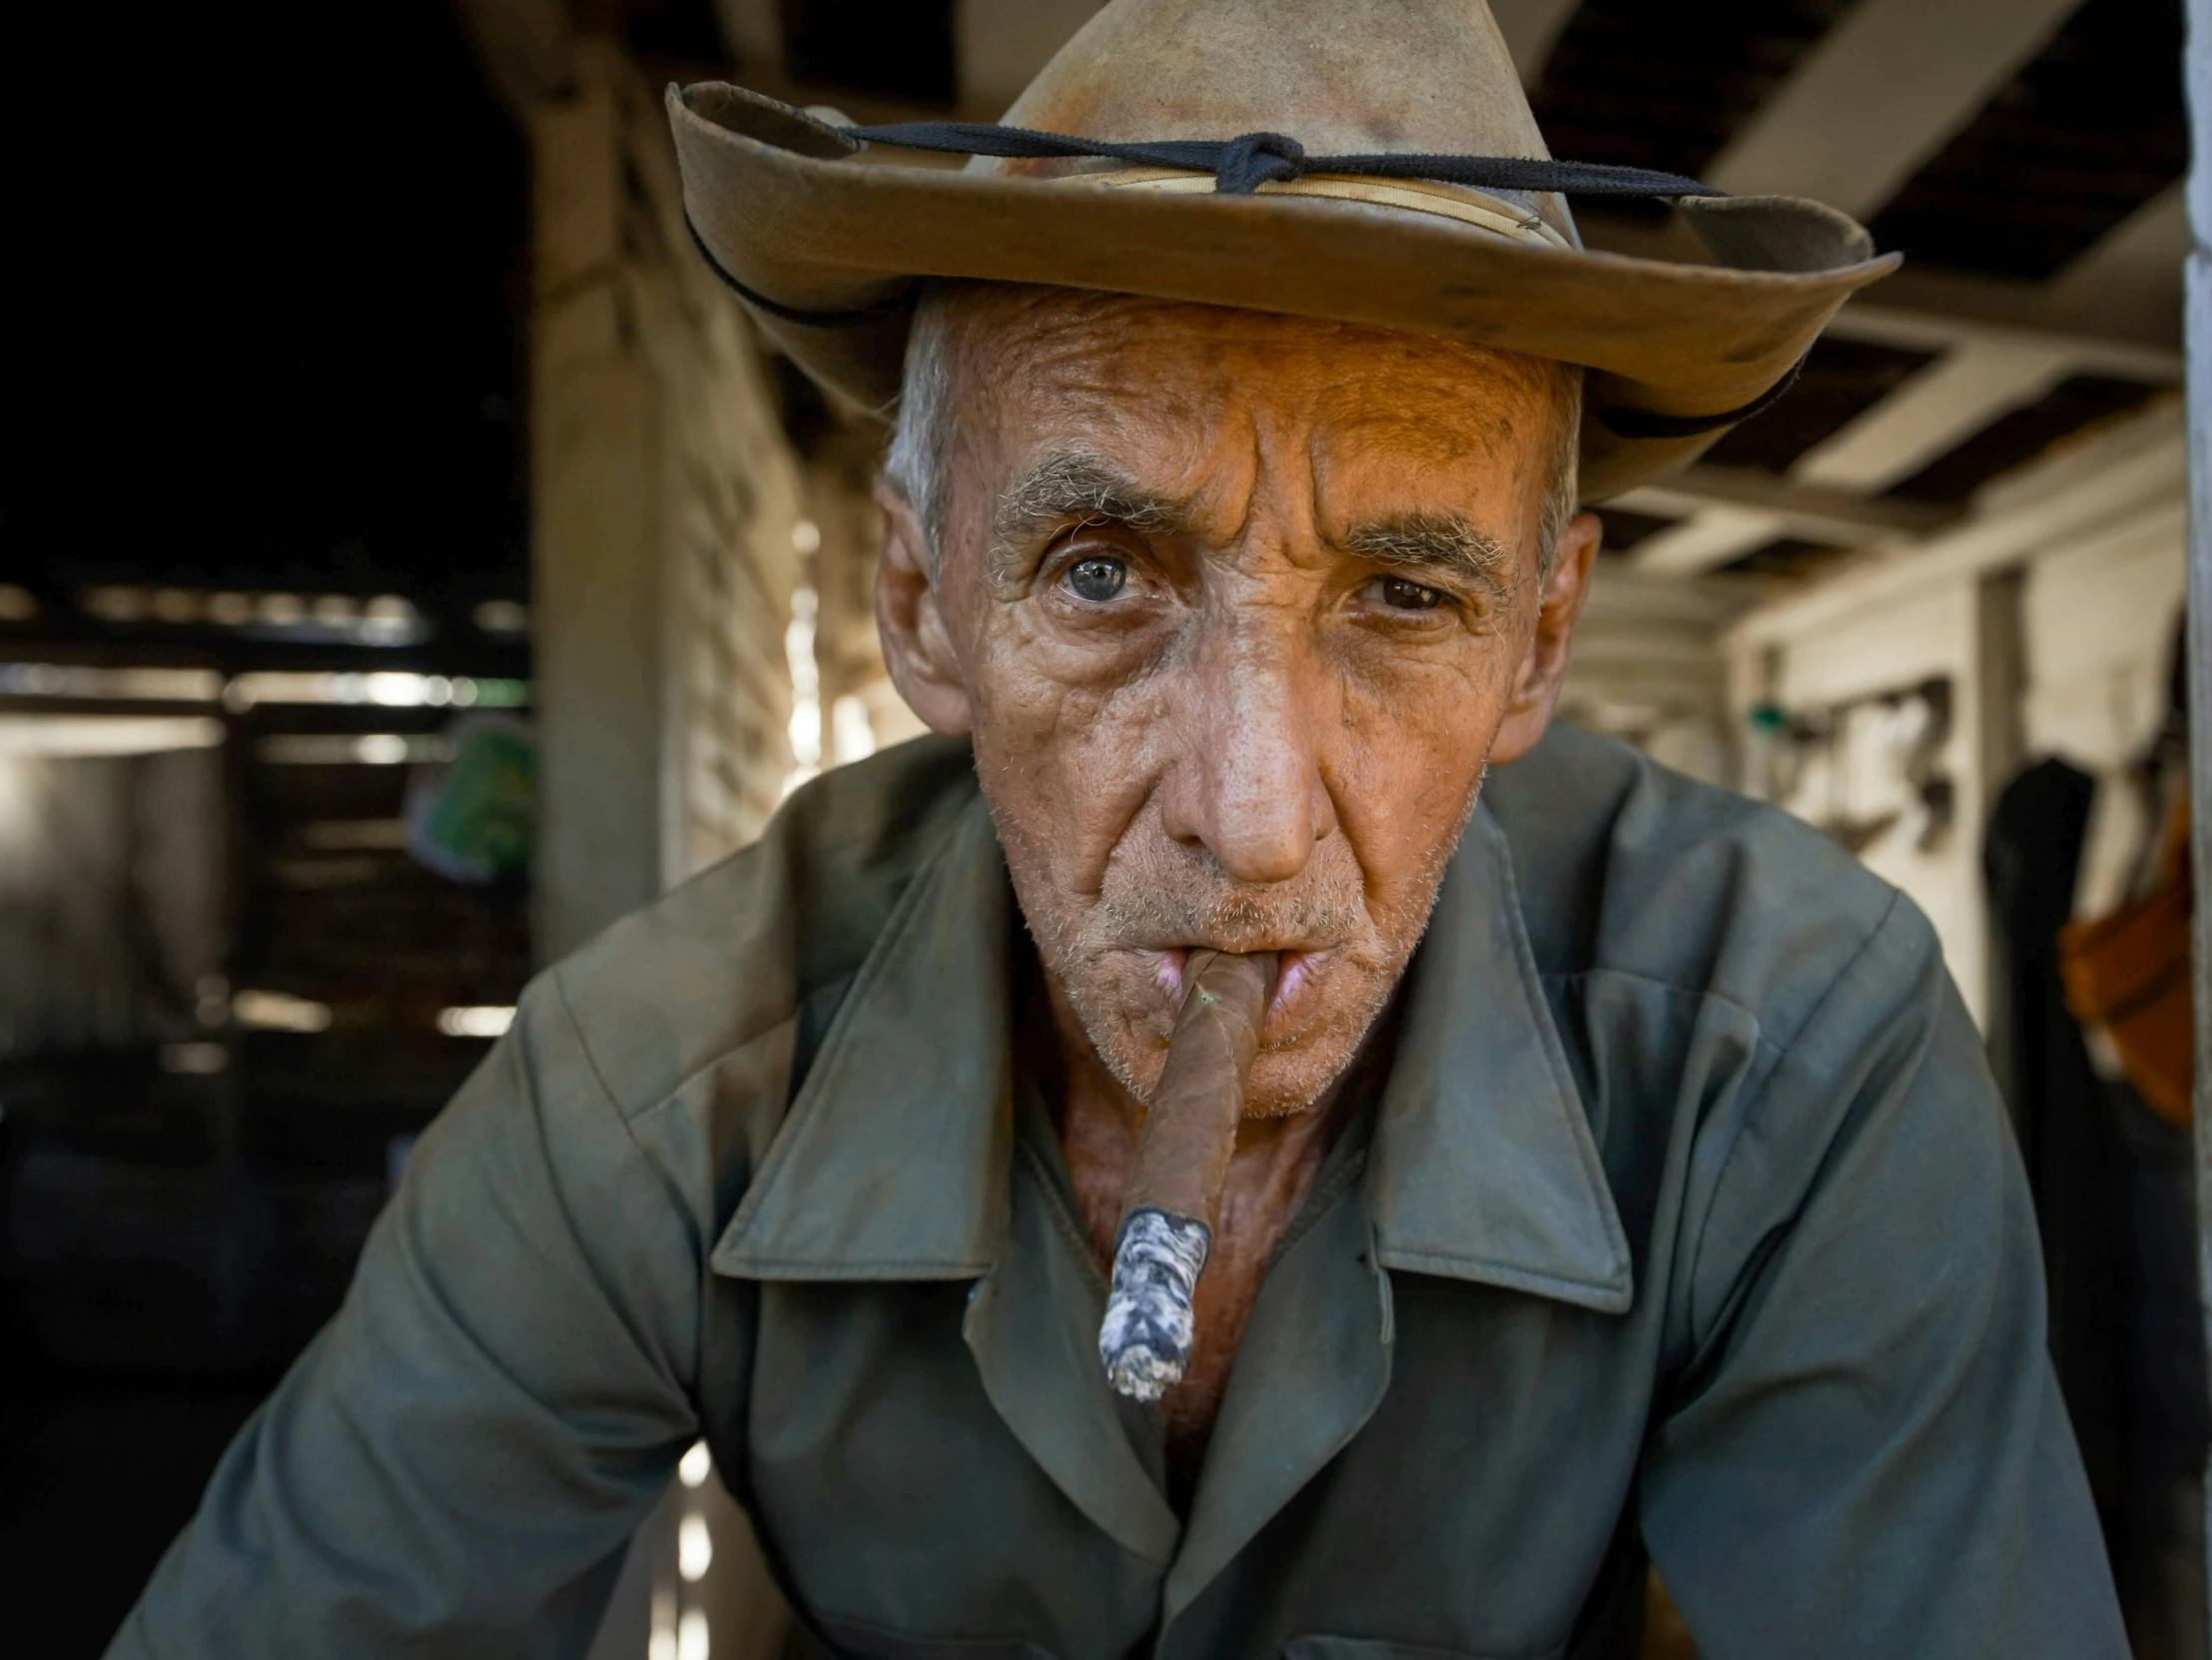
1241, 165
1465, 206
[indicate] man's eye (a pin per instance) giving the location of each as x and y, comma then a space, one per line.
1097, 580
1401, 596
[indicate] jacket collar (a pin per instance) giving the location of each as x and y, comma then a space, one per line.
893, 1163
1483, 1165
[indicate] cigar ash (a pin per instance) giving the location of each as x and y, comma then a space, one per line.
1147, 1335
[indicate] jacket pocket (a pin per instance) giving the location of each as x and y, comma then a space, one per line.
1371, 1648
860, 1640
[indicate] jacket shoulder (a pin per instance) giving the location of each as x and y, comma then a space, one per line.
740, 948
1627, 866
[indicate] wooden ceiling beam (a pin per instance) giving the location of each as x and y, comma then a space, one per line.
2086, 347
1713, 537
2119, 489
2132, 273
1932, 414
1812, 512
1885, 90
1930, 308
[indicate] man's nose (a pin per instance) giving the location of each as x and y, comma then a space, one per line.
1248, 785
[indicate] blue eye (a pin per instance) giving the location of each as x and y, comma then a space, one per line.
1097, 580
1401, 596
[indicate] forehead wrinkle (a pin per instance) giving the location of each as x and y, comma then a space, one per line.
1405, 429
1440, 406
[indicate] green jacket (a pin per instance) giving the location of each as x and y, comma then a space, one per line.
1686, 1221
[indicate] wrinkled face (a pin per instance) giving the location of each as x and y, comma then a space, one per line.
1235, 608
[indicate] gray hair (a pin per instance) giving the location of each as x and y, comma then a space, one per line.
918, 464
1563, 490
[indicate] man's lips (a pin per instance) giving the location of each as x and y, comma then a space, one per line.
1296, 969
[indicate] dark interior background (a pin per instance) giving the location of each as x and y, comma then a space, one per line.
267, 335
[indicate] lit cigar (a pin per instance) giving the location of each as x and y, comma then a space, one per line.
1174, 1200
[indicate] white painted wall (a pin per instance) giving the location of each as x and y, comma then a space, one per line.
2098, 611
2100, 626
1879, 649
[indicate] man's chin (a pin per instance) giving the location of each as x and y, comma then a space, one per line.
1287, 1084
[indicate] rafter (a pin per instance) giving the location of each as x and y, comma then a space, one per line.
2133, 271
1936, 307
1709, 539
1881, 93
2119, 489
1812, 512
1932, 413
2089, 350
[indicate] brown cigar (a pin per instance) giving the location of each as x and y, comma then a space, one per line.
1173, 1201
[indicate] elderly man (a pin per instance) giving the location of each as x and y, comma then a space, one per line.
1617, 1180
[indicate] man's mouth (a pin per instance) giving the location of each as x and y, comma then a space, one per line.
1296, 970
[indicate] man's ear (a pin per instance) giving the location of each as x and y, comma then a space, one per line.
1545, 668
916, 650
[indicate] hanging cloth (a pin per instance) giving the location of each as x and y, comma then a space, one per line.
2128, 973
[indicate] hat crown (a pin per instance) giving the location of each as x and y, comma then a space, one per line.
1342, 77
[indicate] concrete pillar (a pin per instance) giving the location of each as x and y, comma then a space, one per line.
594, 538
664, 499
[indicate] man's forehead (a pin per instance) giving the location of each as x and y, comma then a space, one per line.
1188, 398
1102, 354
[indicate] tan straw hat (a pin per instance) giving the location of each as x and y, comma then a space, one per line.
1366, 161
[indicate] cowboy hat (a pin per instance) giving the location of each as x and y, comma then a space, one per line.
1362, 160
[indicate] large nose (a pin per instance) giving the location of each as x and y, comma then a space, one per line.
1246, 785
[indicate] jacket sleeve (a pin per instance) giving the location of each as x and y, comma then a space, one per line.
455, 1464
1867, 1453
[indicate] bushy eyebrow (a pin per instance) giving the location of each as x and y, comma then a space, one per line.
1077, 487
1442, 543
1074, 488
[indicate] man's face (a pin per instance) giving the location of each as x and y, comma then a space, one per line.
1235, 608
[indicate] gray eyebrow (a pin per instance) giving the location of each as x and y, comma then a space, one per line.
1440, 541
1077, 489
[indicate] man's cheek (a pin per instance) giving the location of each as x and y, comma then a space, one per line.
1402, 775
1072, 765
1087, 657
1079, 720
1041, 689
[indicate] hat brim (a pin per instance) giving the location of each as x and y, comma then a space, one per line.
829, 250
